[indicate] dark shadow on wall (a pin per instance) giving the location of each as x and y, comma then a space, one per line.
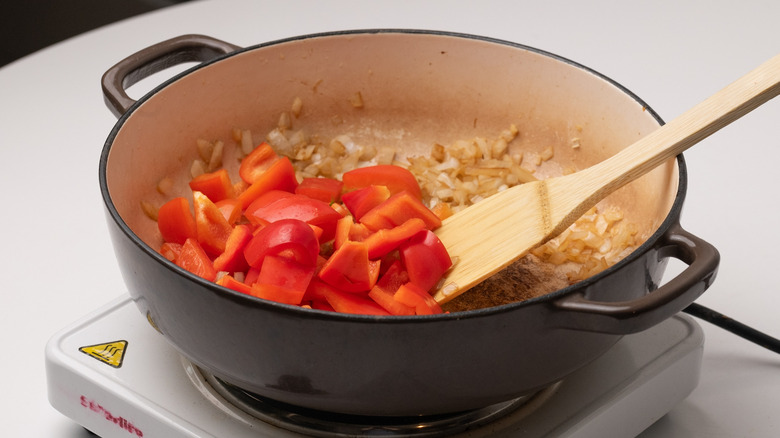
27, 26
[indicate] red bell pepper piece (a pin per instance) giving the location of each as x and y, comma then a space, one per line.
347, 229
251, 276
388, 260
317, 290
257, 162
322, 305
425, 258
361, 201
194, 259
213, 228
280, 176
288, 237
298, 207
318, 232
176, 222
280, 294
231, 209
290, 279
397, 179
388, 239
230, 282
349, 268
215, 185
384, 291
232, 259
398, 209
387, 301
268, 198
281, 271
393, 277
413, 296
262, 201
323, 189
343, 228
346, 302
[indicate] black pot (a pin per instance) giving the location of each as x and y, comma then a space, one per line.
438, 87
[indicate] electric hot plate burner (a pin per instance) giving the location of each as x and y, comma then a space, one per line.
112, 373
328, 424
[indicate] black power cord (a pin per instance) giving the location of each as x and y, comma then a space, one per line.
733, 326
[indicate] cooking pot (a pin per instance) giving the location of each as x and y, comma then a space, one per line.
418, 88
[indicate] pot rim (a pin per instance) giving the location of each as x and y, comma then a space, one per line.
671, 218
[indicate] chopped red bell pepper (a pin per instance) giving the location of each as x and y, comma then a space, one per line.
322, 305
292, 277
230, 282
384, 291
318, 232
280, 294
317, 290
289, 237
276, 234
282, 271
393, 277
362, 200
257, 162
302, 208
232, 259
263, 201
194, 259
323, 189
413, 296
347, 229
231, 209
345, 302
388, 260
213, 228
398, 209
280, 176
387, 301
397, 179
215, 185
251, 276
385, 240
349, 268
425, 258
176, 222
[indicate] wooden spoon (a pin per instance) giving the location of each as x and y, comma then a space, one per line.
489, 235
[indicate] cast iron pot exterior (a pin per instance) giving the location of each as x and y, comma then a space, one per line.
391, 366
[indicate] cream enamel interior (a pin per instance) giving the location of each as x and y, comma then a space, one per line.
418, 89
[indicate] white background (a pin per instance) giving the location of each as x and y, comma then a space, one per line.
57, 263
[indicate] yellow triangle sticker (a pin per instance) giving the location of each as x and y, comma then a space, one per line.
111, 353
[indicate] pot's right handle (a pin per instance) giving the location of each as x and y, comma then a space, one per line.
146, 62
626, 317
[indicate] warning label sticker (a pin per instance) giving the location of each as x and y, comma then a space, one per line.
110, 353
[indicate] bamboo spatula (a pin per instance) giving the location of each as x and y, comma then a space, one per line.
486, 237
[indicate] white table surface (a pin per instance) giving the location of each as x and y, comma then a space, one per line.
58, 264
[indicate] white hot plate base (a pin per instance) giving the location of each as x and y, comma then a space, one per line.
112, 373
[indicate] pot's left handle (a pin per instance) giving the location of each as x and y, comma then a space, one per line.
627, 317
146, 62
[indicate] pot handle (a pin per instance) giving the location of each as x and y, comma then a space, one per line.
153, 59
624, 317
